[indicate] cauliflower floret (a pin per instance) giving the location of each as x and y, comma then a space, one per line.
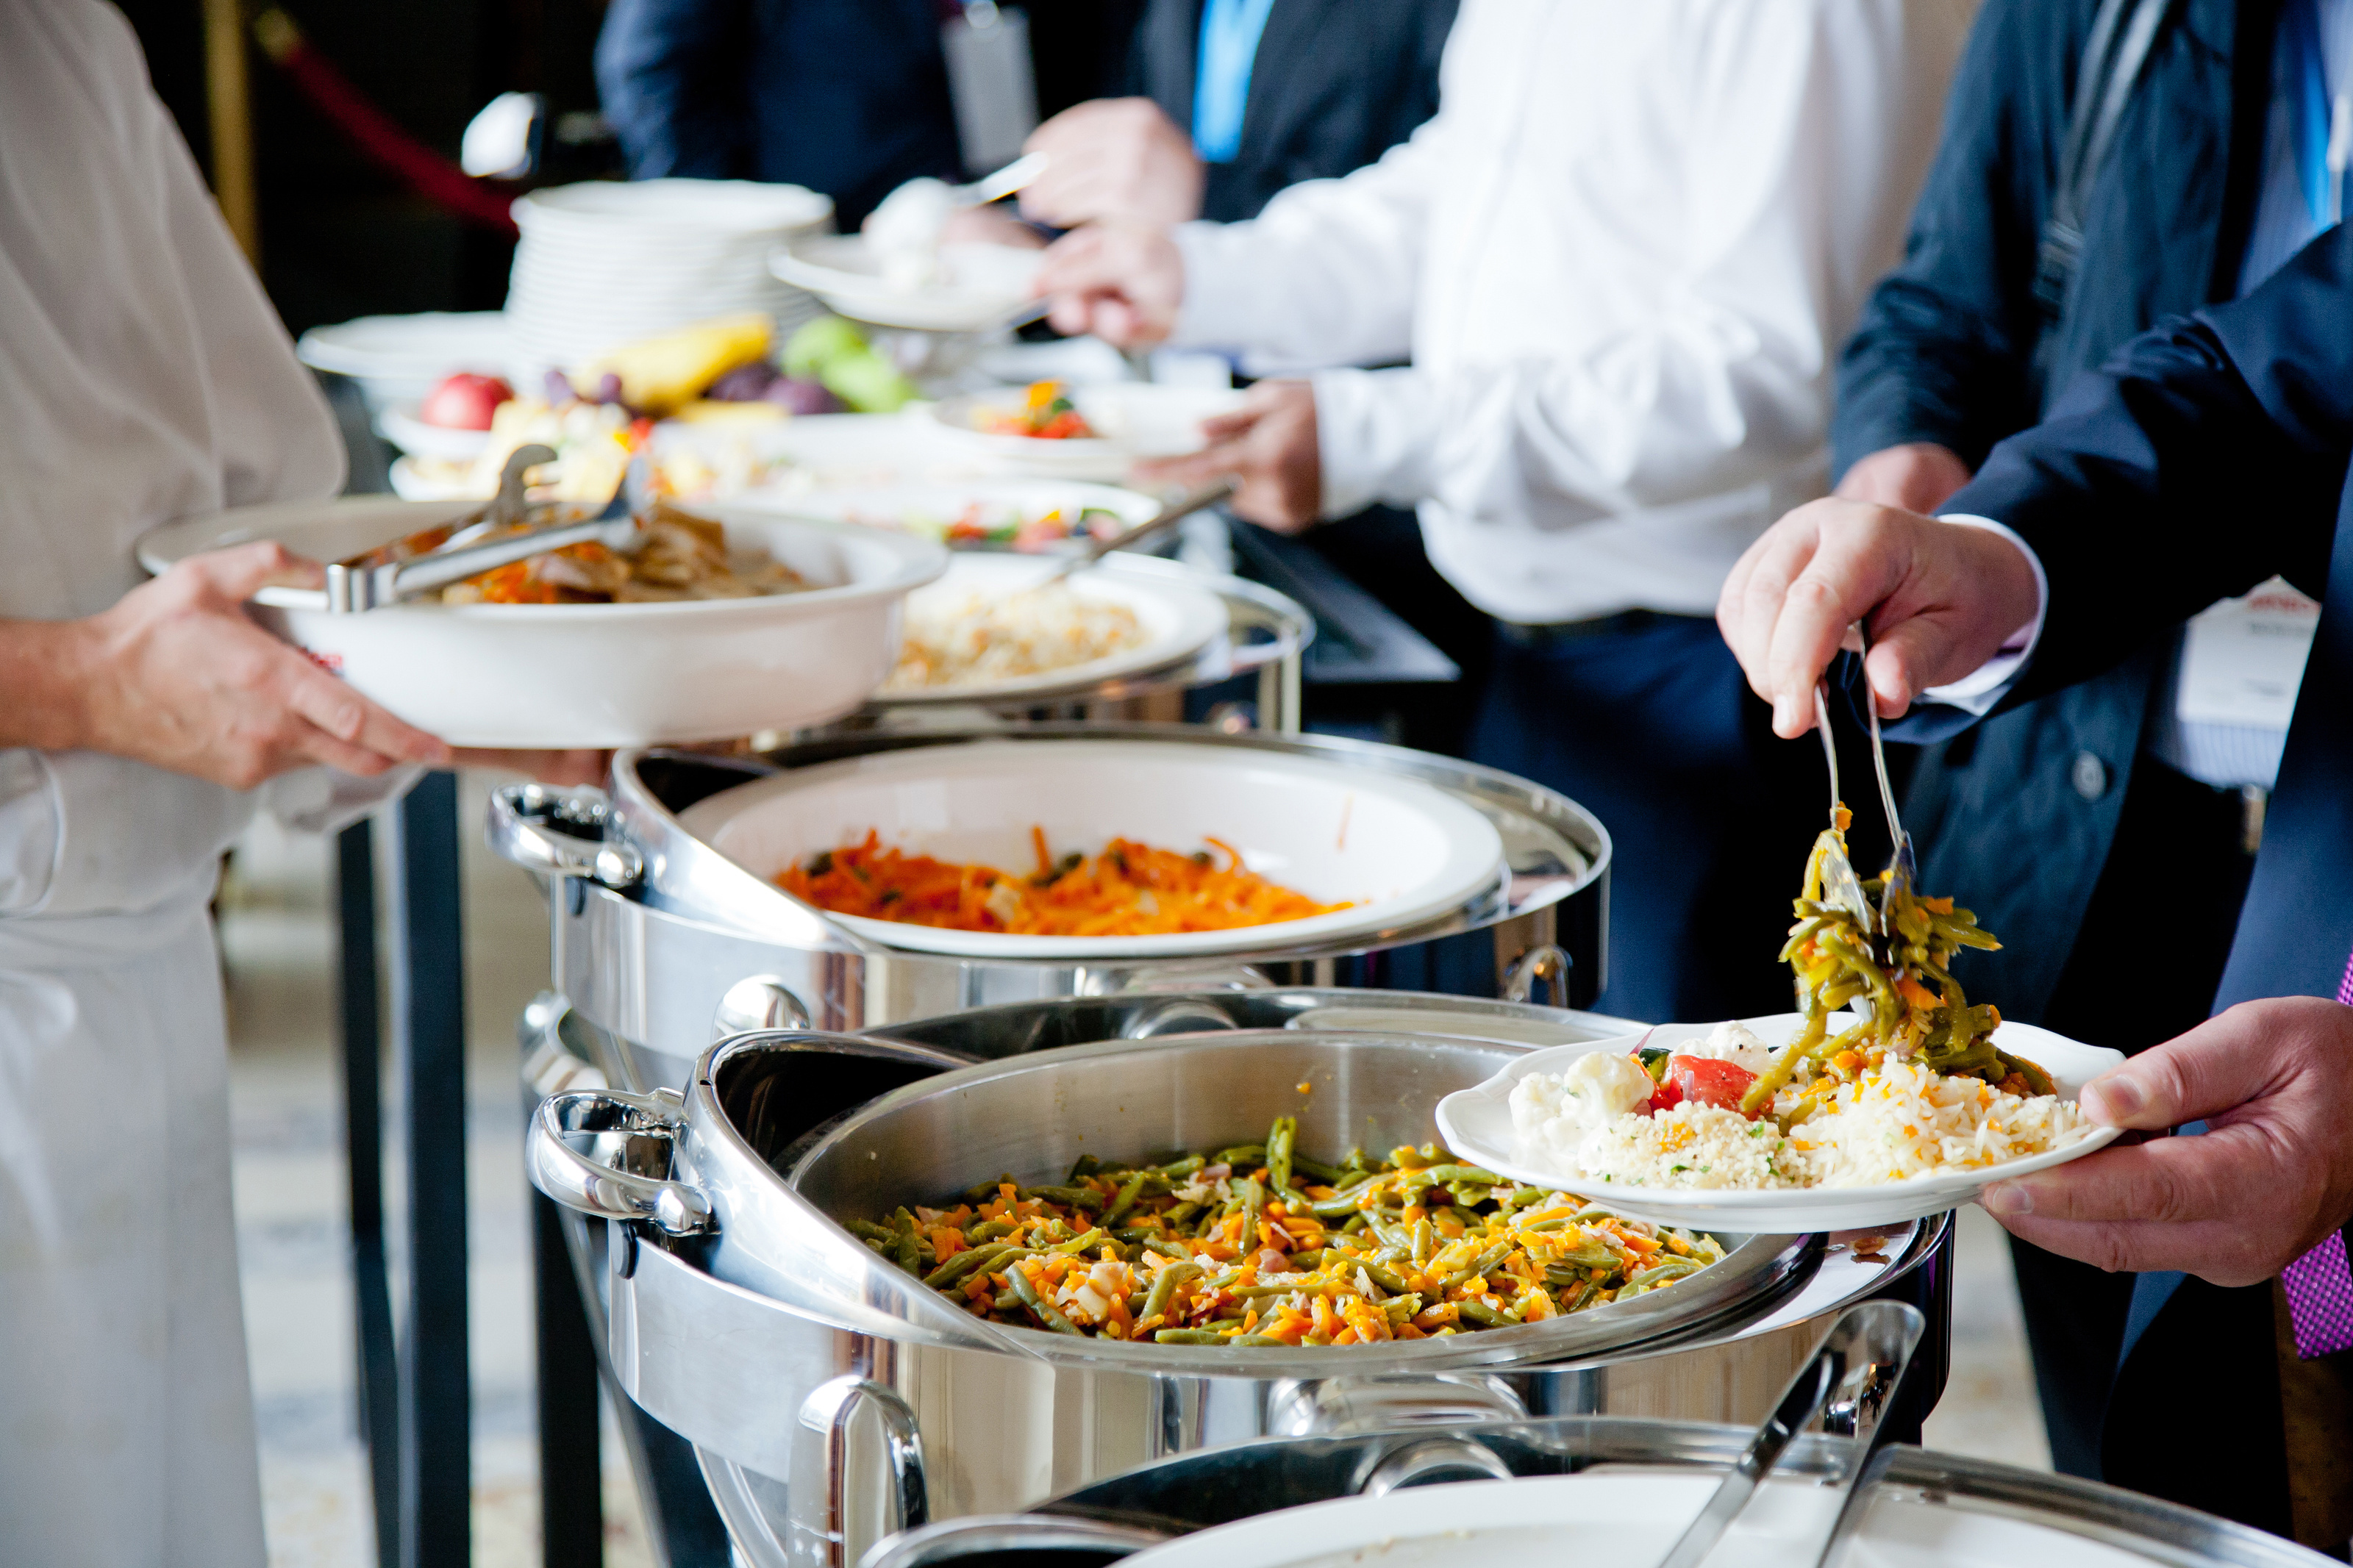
1595, 1088
1734, 1042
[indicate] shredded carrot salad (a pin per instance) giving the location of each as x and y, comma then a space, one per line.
1129, 889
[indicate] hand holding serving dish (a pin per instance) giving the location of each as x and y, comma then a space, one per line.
556, 658
1819, 1120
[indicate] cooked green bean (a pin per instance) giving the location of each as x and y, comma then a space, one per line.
1019, 1284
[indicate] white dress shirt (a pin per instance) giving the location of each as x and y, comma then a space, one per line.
1620, 259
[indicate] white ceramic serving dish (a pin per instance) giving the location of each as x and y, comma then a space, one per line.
1138, 420
1177, 621
590, 674
400, 426
1627, 1516
982, 286
1402, 851
398, 359
1477, 1125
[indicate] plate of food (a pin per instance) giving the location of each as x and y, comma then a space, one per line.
1076, 849
1021, 516
965, 288
710, 624
1819, 1120
994, 628
1098, 429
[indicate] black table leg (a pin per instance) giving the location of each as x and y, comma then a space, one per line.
428, 1022
571, 1493
363, 1146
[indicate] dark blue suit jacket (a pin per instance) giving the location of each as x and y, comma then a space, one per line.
1953, 347
2208, 455
847, 97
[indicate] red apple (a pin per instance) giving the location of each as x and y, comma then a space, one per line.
464, 401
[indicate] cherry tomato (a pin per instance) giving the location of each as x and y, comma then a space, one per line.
1705, 1081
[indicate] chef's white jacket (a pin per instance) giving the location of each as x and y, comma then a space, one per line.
142, 377
1620, 259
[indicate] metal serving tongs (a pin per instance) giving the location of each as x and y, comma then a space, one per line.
1903, 872
1175, 510
1840, 885
1852, 1374
354, 588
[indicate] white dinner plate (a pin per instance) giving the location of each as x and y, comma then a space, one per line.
982, 286
1138, 420
557, 676
1178, 620
1477, 1125
400, 426
1402, 851
1626, 1516
397, 359
927, 509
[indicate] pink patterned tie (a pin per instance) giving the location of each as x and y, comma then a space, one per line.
2319, 1284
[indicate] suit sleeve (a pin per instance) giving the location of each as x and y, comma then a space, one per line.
1942, 351
2208, 455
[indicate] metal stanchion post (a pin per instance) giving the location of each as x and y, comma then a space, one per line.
357, 998
428, 1022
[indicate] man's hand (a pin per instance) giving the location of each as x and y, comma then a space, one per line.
1943, 597
1115, 160
2272, 1177
1268, 445
1122, 282
176, 676
1919, 476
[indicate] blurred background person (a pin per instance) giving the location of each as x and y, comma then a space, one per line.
849, 98
2046, 238
1621, 327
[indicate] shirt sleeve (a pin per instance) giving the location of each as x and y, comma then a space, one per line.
1325, 275
1793, 191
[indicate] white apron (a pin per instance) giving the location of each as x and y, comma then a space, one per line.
142, 377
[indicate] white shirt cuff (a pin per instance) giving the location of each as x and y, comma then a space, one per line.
1374, 434
1219, 308
1978, 691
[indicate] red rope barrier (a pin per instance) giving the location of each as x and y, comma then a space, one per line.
411, 162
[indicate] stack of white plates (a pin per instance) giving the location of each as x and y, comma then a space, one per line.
604, 264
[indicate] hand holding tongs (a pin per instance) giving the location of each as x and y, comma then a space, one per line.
352, 588
1853, 1373
1178, 508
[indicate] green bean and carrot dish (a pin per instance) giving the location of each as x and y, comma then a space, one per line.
1260, 1246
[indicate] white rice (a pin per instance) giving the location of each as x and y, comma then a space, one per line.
970, 638
1897, 1122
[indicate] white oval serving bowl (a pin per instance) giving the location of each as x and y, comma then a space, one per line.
1477, 1125
1400, 851
556, 676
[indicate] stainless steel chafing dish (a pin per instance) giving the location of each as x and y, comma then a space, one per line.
1983, 1504
831, 1400
666, 944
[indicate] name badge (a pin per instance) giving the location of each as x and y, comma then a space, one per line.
2243, 660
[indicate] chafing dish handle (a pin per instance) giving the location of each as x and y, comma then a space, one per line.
1548, 963
819, 1498
605, 1192
515, 828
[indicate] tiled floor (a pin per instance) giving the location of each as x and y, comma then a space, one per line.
293, 1229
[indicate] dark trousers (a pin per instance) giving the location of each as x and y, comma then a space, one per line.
2176, 856
1646, 723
